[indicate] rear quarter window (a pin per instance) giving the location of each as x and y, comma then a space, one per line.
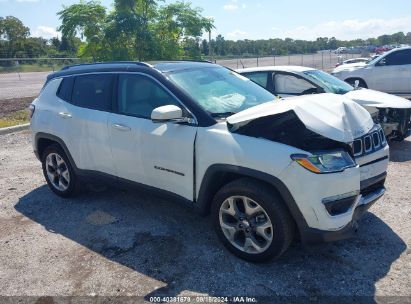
93, 91
65, 89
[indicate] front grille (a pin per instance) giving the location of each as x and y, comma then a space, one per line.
369, 143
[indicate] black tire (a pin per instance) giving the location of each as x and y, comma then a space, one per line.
73, 184
361, 83
283, 225
402, 132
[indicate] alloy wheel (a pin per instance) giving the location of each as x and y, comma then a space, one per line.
246, 224
57, 172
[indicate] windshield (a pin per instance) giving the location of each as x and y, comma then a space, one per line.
329, 82
220, 91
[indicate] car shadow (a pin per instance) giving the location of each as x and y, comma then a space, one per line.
400, 151
172, 244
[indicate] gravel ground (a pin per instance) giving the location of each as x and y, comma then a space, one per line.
112, 242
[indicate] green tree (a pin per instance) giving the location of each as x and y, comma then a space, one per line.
180, 22
88, 20
135, 29
13, 34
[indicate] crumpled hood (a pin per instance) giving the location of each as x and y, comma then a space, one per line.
333, 116
350, 67
371, 98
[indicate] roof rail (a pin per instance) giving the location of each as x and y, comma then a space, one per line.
107, 62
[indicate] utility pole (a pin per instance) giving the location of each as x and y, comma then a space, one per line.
211, 51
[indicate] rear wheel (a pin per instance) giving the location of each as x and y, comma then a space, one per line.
251, 221
58, 171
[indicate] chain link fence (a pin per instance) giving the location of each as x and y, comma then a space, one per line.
325, 61
21, 65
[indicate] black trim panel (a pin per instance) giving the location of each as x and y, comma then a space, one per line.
91, 176
373, 180
210, 179
375, 161
41, 135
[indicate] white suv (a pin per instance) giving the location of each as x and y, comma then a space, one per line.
213, 139
390, 73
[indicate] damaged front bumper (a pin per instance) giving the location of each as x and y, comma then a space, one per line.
371, 191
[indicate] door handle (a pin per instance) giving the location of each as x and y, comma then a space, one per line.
65, 115
121, 127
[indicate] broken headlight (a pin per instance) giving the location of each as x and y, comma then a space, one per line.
325, 162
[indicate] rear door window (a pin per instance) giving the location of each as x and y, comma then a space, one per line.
291, 85
260, 78
93, 91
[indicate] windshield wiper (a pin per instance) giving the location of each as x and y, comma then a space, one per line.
222, 114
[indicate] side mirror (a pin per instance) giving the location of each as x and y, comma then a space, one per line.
168, 113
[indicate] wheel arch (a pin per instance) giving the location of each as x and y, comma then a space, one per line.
43, 140
219, 175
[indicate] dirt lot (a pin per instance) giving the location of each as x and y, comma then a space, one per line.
8, 106
112, 242
18, 85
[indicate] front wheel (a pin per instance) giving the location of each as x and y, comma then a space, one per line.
252, 221
58, 171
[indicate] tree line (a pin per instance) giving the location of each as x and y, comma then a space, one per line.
15, 42
148, 30
288, 46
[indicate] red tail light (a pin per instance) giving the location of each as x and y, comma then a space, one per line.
32, 108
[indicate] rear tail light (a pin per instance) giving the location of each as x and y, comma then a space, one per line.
32, 108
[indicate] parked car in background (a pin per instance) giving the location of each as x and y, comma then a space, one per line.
211, 138
382, 49
392, 112
373, 57
353, 60
390, 73
341, 50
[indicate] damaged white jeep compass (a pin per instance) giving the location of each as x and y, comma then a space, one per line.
266, 169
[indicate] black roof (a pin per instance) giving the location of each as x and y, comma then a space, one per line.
128, 66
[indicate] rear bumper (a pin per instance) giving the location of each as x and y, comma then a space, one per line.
310, 235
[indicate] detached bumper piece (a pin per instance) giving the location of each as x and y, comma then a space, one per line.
371, 190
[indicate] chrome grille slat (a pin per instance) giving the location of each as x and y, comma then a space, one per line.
373, 141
